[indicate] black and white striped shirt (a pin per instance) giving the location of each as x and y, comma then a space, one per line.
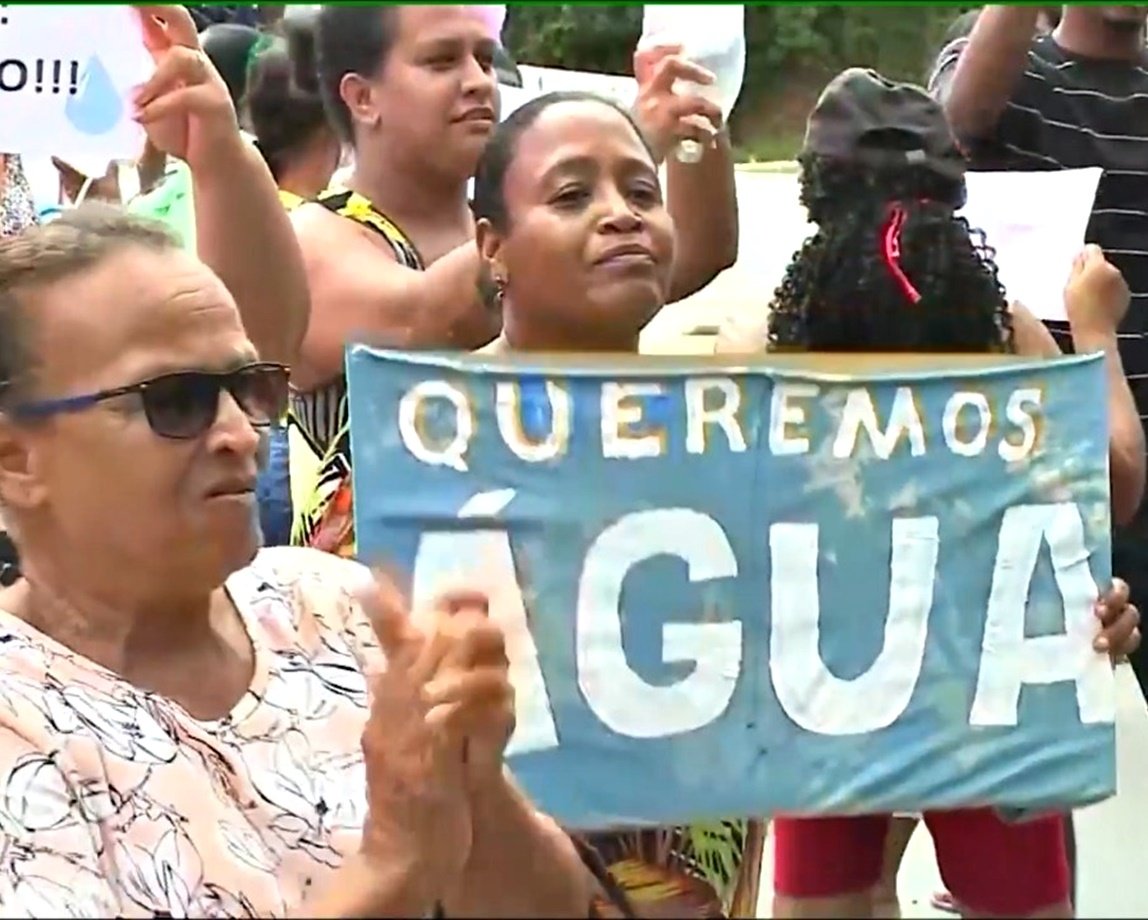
1069, 112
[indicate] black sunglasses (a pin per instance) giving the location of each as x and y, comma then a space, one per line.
185, 404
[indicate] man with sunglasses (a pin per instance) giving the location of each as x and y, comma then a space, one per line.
273, 718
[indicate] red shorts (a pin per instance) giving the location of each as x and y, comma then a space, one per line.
988, 865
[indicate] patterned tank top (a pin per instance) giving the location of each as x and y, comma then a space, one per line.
320, 417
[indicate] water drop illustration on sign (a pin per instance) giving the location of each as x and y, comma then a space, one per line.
94, 106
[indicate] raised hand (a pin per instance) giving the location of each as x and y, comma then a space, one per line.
667, 117
474, 649
1096, 297
185, 106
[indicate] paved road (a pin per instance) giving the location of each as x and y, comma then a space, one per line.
1112, 835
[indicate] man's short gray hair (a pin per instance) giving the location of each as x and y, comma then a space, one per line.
79, 240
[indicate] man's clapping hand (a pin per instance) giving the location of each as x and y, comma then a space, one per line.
441, 710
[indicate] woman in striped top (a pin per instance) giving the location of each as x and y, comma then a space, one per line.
285, 113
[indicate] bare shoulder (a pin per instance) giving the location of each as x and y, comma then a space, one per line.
328, 237
1030, 336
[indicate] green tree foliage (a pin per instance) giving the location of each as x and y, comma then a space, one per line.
784, 43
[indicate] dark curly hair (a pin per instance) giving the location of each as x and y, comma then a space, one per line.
838, 293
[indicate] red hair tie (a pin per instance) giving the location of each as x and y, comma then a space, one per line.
891, 251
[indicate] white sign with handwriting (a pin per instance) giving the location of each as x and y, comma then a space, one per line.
66, 78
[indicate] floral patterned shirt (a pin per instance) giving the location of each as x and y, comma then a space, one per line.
115, 802
17, 207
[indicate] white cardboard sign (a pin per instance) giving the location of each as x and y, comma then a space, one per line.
66, 78
1036, 222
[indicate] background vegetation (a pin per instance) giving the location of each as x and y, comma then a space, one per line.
791, 51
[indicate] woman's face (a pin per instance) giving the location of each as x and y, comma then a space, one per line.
435, 100
588, 251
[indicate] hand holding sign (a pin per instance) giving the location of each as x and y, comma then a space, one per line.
1119, 622
665, 116
1096, 297
185, 107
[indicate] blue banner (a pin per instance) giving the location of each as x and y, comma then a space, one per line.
804, 587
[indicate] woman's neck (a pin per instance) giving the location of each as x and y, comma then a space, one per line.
407, 199
557, 340
118, 622
307, 183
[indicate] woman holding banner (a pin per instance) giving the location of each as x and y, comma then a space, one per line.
580, 247
892, 268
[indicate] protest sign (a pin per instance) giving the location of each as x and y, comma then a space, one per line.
1033, 221
768, 589
66, 77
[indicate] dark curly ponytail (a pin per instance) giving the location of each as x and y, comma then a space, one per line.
891, 267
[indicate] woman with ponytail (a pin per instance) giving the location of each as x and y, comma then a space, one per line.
284, 110
892, 267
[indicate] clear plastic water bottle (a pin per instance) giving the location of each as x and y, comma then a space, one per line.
712, 37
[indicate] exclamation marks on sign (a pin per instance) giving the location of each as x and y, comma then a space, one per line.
3, 14
57, 77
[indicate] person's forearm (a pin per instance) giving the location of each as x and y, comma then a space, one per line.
989, 68
244, 235
521, 863
358, 890
445, 307
1126, 438
702, 199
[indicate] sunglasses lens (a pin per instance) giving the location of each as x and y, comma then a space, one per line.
182, 405
185, 405
262, 392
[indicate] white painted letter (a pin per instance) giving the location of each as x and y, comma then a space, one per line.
482, 559
782, 415
623, 701
453, 452
508, 409
619, 412
811, 695
859, 412
1024, 418
1008, 659
951, 420
724, 415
